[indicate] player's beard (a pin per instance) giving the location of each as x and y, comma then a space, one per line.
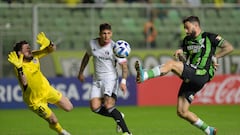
28, 58
192, 34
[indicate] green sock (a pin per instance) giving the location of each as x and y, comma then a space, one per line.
201, 125
154, 72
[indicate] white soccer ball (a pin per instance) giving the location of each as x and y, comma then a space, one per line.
121, 49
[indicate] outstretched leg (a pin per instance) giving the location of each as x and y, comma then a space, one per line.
183, 112
160, 70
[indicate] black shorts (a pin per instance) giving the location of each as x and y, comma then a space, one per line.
192, 83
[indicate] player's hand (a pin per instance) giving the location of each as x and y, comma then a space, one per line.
43, 40
182, 57
123, 86
81, 77
13, 58
177, 52
215, 62
179, 55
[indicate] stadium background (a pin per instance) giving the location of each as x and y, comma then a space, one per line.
72, 26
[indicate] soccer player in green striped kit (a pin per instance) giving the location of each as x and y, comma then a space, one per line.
195, 64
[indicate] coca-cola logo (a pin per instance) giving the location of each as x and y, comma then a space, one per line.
224, 91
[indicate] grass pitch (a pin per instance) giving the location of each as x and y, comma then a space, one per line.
161, 120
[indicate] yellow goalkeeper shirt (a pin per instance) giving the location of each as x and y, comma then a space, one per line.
37, 84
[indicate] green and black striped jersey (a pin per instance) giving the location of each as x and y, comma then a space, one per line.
199, 51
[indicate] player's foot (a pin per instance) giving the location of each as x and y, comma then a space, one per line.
213, 131
118, 128
126, 133
64, 132
140, 72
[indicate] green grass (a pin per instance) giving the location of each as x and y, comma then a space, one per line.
160, 120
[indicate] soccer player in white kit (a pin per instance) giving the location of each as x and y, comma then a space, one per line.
105, 80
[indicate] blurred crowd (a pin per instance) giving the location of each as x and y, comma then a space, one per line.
191, 2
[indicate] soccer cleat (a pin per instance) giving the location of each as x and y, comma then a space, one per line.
213, 131
126, 133
119, 129
64, 132
140, 72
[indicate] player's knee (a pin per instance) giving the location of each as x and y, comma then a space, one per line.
109, 106
68, 108
110, 103
65, 104
52, 120
181, 113
95, 108
95, 104
170, 63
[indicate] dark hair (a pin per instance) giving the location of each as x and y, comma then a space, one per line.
191, 19
18, 46
105, 26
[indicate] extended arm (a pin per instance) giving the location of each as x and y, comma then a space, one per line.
84, 63
46, 45
45, 51
123, 85
18, 62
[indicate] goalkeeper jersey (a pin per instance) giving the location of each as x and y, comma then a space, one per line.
37, 84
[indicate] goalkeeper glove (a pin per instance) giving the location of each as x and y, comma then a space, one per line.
43, 40
13, 58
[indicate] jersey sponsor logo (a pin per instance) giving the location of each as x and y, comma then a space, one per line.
107, 52
196, 46
104, 58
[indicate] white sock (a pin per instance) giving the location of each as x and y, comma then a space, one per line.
198, 123
156, 71
145, 75
207, 130
203, 126
152, 73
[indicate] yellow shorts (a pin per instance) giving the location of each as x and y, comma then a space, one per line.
41, 107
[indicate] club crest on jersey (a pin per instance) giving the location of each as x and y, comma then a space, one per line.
35, 60
201, 42
219, 38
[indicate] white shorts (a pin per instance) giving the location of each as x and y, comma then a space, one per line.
104, 86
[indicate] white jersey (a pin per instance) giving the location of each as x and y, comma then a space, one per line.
104, 60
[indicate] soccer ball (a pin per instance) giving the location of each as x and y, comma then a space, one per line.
121, 49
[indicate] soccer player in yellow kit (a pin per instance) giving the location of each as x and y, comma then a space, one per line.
37, 92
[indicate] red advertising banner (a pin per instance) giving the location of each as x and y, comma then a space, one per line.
223, 89
158, 91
